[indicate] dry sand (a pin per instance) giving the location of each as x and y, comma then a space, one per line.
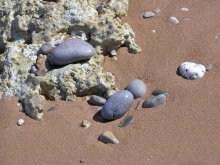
186, 131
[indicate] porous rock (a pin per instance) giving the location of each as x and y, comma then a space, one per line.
117, 105
27, 25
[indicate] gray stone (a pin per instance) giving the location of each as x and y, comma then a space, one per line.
155, 101
108, 137
117, 105
137, 88
70, 51
156, 10
97, 100
46, 48
128, 120
149, 14
158, 92
173, 20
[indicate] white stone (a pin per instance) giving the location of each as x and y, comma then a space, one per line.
184, 9
20, 122
108, 137
149, 14
173, 20
191, 70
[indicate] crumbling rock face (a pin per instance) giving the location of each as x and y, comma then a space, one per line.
27, 25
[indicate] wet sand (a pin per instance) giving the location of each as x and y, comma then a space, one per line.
184, 131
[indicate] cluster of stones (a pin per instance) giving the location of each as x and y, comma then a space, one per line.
39, 56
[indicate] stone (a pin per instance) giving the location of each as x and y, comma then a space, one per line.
156, 92
109, 93
20, 122
208, 67
149, 14
85, 124
173, 20
70, 51
108, 137
154, 101
128, 120
137, 88
117, 105
46, 48
97, 100
156, 10
185, 9
192, 71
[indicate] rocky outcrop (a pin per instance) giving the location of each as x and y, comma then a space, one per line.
27, 25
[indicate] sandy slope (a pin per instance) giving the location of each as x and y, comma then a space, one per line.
184, 131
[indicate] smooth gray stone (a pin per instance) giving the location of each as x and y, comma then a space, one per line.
155, 101
128, 120
71, 51
97, 100
158, 92
149, 14
117, 105
137, 88
46, 48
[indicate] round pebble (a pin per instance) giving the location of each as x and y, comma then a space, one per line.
20, 122
46, 48
155, 101
97, 100
191, 70
117, 105
184, 9
149, 14
173, 20
71, 51
137, 88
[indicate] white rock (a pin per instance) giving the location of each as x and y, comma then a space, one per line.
85, 124
191, 70
184, 9
173, 20
20, 122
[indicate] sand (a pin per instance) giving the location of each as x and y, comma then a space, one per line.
186, 131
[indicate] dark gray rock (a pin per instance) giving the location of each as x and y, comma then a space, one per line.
158, 92
137, 88
70, 51
155, 101
128, 120
97, 100
46, 48
117, 105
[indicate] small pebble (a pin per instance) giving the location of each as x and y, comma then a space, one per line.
192, 71
85, 124
108, 137
209, 67
158, 92
128, 120
139, 105
97, 100
137, 88
173, 20
184, 9
117, 105
149, 14
156, 10
154, 101
20, 122
52, 108
82, 160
